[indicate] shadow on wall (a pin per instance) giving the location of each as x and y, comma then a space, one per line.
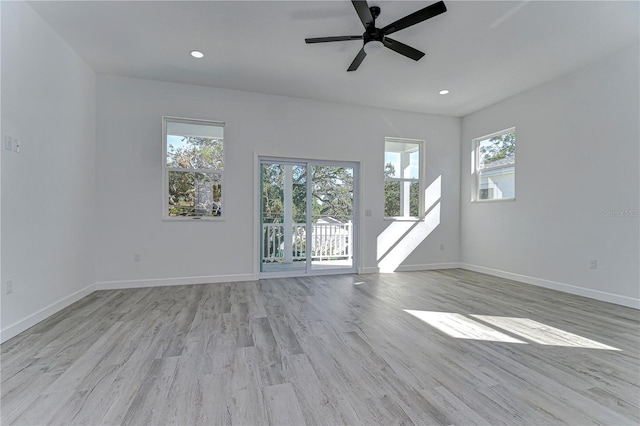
401, 238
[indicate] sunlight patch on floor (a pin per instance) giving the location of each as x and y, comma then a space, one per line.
461, 327
542, 333
490, 328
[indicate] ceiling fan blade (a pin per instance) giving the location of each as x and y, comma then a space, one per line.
415, 18
358, 60
402, 49
329, 39
362, 8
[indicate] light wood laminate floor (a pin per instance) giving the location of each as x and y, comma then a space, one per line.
438, 347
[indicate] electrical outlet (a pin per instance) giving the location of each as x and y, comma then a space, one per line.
593, 264
367, 213
9, 287
8, 143
137, 257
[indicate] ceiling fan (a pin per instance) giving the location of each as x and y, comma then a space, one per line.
375, 39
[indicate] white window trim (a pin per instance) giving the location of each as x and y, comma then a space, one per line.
421, 179
475, 168
166, 169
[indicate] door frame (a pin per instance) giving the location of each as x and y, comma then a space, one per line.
308, 270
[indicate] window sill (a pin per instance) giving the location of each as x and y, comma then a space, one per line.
193, 219
404, 219
495, 200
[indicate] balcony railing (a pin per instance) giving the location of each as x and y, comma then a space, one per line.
329, 241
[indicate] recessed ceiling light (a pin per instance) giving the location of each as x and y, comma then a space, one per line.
197, 54
444, 92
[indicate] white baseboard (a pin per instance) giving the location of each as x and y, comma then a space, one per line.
162, 282
44, 313
554, 285
412, 268
427, 267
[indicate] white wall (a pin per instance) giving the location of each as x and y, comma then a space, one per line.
79, 200
578, 143
129, 176
48, 189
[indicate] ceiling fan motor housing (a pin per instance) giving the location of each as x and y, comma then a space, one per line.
376, 35
371, 32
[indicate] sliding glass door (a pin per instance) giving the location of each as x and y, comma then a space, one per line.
332, 188
307, 217
283, 216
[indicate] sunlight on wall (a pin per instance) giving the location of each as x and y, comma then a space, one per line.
542, 333
462, 327
401, 238
391, 235
433, 193
408, 243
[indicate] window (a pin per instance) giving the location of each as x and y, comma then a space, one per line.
495, 166
402, 177
193, 168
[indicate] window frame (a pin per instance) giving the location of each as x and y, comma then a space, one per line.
421, 180
476, 169
166, 170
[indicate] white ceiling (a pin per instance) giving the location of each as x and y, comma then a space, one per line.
481, 51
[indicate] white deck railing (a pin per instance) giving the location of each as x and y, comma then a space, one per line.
329, 241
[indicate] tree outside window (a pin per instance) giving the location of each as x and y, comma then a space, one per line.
194, 168
495, 165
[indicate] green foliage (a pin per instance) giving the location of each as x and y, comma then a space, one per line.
193, 193
197, 153
331, 193
414, 199
273, 193
391, 192
392, 197
498, 147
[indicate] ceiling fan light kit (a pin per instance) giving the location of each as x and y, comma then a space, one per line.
373, 47
375, 39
